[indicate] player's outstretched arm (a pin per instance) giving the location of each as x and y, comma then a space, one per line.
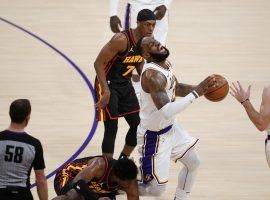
172, 108
260, 119
117, 44
182, 89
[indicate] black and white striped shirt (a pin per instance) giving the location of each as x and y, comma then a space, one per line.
19, 152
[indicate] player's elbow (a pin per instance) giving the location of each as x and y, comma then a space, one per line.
260, 127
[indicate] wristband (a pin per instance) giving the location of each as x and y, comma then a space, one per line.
244, 101
195, 94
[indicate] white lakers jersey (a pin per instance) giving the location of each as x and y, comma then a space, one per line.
147, 2
151, 118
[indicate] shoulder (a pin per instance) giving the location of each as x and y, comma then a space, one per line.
98, 163
154, 79
33, 140
119, 41
2, 134
98, 166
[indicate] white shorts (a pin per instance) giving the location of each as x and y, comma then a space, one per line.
156, 149
161, 29
267, 149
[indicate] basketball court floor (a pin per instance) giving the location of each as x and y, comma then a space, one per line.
47, 51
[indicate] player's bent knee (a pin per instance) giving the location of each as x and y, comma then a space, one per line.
191, 160
195, 163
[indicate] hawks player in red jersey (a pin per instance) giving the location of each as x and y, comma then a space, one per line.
114, 91
96, 178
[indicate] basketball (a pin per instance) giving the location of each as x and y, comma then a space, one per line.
220, 92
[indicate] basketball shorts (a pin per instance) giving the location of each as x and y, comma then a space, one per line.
267, 149
157, 148
62, 182
123, 101
161, 28
15, 193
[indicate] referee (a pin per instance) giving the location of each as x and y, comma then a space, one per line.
19, 152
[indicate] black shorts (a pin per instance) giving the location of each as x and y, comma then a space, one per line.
15, 193
123, 101
57, 182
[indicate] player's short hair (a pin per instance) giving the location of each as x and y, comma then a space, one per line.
145, 15
125, 169
19, 110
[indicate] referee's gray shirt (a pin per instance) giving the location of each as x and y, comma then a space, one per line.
19, 152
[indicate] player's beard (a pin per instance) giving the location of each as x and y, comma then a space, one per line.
160, 57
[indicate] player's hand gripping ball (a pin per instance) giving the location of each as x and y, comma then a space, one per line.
220, 92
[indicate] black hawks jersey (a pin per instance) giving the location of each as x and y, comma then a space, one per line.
103, 187
120, 67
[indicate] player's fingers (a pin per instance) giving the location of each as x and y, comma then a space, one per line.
249, 88
248, 91
115, 29
235, 87
232, 94
240, 86
232, 89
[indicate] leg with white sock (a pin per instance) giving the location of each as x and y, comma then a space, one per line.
151, 189
187, 175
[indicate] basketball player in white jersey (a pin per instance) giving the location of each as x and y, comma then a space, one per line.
159, 7
260, 119
161, 10
160, 138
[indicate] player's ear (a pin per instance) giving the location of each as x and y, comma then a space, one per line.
146, 55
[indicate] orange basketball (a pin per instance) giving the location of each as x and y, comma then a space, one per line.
220, 92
